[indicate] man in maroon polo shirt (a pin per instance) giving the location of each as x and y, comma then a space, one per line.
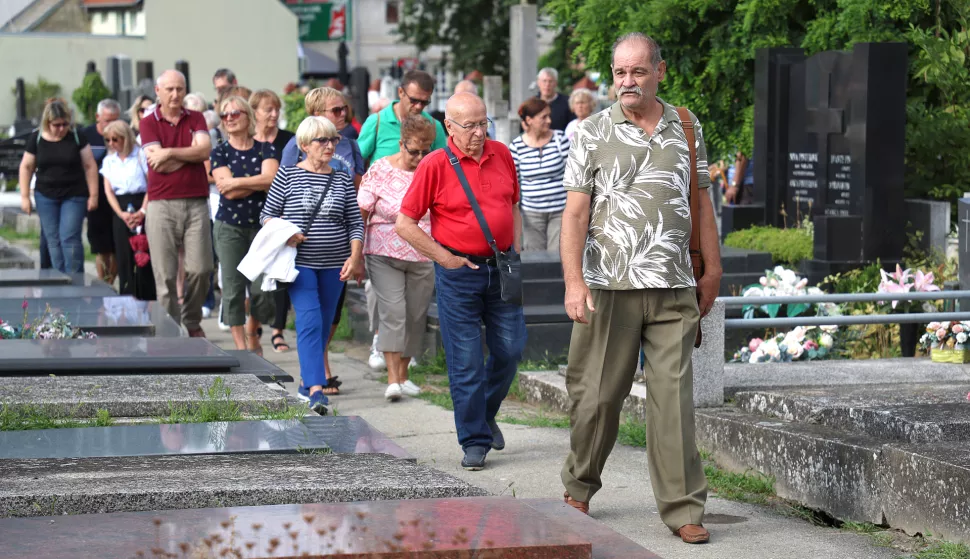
466, 279
176, 142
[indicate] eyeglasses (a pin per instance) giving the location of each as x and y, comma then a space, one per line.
415, 152
337, 111
474, 125
141, 110
60, 125
324, 141
230, 115
417, 101
113, 140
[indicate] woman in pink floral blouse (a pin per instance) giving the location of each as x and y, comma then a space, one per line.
402, 279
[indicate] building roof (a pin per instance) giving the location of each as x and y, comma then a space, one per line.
102, 4
315, 63
10, 8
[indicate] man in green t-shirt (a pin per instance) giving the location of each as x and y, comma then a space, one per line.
381, 132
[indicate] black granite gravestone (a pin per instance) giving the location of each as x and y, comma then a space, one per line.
11, 153
829, 145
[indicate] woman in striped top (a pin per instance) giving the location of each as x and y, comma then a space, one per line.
323, 203
540, 159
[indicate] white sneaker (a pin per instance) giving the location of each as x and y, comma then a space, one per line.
376, 359
393, 392
206, 312
409, 388
222, 326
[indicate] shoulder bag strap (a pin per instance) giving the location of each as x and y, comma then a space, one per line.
694, 198
316, 209
456, 165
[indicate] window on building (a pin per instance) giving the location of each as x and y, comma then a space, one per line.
391, 14
104, 17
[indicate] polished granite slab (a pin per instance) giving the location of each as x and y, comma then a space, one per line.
49, 291
120, 315
353, 435
56, 486
252, 364
113, 356
493, 527
144, 395
32, 278
236, 437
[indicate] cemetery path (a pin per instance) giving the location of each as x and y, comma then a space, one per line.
529, 468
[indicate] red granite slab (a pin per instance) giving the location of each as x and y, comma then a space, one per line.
477, 527
607, 544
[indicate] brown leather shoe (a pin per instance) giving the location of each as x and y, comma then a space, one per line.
693, 533
197, 333
578, 505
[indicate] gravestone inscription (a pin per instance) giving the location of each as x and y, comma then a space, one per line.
829, 147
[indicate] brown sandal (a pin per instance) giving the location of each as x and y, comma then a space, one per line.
578, 505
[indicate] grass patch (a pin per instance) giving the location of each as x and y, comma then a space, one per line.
632, 433
749, 487
860, 527
103, 419
214, 406
944, 550
29, 417
539, 420
442, 399
11, 234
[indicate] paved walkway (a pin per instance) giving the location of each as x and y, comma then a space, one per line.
529, 467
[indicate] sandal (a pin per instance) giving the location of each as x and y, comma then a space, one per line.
331, 390
280, 346
256, 347
332, 381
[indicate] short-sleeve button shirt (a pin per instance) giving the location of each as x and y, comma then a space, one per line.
639, 227
242, 212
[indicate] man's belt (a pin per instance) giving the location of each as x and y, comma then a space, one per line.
480, 260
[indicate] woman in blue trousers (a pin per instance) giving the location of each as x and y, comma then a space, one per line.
322, 202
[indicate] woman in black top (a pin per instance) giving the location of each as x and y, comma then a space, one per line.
67, 184
267, 107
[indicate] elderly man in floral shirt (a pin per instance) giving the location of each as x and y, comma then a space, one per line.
625, 238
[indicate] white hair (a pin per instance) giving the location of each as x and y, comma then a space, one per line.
314, 127
551, 72
582, 92
194, 102
109, 105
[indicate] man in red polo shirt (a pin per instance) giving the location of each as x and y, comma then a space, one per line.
466, 279
176, 142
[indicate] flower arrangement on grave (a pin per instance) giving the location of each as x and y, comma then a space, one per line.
947, 342
784, 282
803, 343
49, 326
907, 281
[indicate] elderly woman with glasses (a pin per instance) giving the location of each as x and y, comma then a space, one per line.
243, 169
582, 103
322, 202
401, 277
67, 184
266, 106
125, 173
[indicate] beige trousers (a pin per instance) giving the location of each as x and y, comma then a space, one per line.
540, 231
180, 224
403, 290
603, 358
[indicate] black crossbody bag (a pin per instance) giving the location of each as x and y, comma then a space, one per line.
311, 219
508, 263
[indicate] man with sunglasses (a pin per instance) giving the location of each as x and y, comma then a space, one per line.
381, 132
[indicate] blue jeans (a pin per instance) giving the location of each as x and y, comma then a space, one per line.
314, 294
466, 298
62, 220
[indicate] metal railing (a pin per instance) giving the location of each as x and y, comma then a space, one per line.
844, 320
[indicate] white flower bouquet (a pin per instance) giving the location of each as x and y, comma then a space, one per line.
804, 343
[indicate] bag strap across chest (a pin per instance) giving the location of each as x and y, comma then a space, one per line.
694, 195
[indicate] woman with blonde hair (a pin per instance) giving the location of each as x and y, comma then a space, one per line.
243, 169
137, 112
67, 184
582, 102
125, 173
267, 106
321, 201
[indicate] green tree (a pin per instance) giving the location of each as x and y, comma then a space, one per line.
36, 95
710, 48
91, 92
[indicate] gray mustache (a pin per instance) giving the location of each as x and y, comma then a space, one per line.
635, 89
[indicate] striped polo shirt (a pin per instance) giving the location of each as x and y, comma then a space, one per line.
293, 196
540, 173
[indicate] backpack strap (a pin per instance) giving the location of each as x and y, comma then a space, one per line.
694, 250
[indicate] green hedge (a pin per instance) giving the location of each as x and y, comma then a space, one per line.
788, 247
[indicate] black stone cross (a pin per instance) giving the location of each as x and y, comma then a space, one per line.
822, 121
